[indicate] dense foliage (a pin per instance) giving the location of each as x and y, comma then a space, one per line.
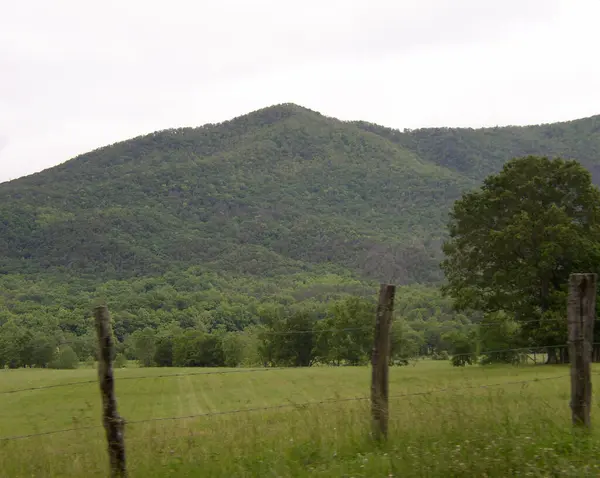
515, 241
275, 192
477, 153
203, 319
231, 234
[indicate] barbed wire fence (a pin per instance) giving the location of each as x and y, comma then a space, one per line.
581, 318
297, 405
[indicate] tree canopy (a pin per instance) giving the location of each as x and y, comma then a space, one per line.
514, 241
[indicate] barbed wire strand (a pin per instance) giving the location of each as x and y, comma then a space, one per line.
284, 406
142, 377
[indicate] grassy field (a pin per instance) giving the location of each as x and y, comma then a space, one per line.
507, 429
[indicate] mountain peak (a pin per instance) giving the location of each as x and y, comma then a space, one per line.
279, 190
272, 114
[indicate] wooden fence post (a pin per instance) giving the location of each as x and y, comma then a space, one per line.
380, 361
113, 423
581, 317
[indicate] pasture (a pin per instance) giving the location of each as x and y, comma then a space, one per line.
518, 426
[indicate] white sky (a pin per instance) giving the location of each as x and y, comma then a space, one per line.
79, 74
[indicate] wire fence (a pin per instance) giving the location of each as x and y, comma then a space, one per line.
292, 405
581, 318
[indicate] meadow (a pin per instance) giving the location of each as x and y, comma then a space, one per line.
519, 425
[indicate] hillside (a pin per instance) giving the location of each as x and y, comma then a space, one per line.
476, 153
281, 190
278, 191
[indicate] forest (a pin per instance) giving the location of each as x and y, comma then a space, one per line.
211, 244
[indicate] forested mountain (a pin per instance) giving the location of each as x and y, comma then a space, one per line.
476, 153
221, 225
277, 191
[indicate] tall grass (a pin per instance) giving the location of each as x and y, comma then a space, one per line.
504, 430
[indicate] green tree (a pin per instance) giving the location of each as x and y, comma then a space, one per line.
405, 342
85, 345
462, 347
145, 346
196, 348
346, 334
65, 358
514, 242
163, 355
498, 338
12, 343
233, 344
289, 341
43, 348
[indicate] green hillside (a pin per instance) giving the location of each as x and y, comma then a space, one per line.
278, 191
476, 153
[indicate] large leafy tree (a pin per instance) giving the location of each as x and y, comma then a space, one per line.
514, 242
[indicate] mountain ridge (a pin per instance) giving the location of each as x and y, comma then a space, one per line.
281, 190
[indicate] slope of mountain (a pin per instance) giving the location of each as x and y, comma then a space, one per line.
278, 191
476, 153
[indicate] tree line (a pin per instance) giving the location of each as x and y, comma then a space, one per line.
340, 335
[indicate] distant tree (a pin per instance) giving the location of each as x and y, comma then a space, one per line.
196, 348
290, 341
12, 344
145, 346
233, 348
346, 334
85, 345
405, 342
514, 242
163, 354
65, 358
42, 350
498, 338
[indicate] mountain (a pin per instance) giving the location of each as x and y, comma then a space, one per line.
476, 153
279, 191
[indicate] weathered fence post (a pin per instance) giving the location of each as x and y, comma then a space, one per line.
380, 361
113, 423
581, 316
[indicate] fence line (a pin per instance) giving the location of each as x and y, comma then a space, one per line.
287, 405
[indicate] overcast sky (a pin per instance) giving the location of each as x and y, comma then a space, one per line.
79, 74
